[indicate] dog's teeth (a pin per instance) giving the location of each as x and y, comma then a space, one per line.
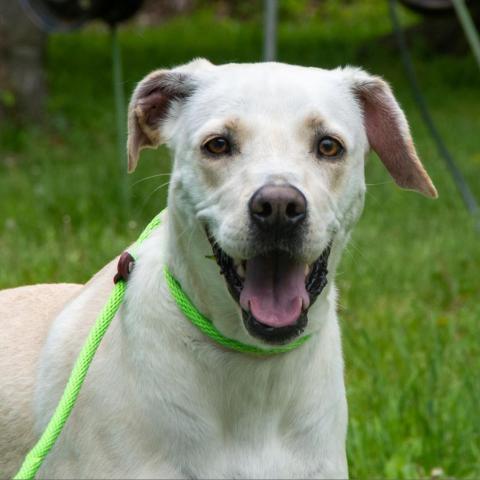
304, 305
241, 270
307, 269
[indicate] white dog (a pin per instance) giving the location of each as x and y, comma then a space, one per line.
268, 174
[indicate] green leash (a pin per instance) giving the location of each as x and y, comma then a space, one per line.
36, 456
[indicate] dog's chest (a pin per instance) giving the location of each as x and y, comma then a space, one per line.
266, 443
245, 442
251, 423
239, 458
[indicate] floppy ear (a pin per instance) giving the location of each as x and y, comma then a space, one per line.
388, 133
149, 107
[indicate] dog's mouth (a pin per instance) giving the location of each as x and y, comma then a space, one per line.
274, 290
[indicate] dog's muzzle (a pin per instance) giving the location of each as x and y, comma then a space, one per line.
273, 288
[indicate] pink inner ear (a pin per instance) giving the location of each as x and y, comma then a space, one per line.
389, 136
149, 106
394, 147
144, 121
144, 124
154, 107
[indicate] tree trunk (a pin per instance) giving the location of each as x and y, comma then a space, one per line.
22, 77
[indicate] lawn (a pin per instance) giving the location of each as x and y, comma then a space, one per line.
409, 281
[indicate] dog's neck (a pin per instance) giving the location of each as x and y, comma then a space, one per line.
190, 261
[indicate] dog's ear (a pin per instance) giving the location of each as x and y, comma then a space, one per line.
151, 103
388, 132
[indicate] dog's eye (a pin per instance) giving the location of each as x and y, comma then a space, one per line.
217, 146
329, 147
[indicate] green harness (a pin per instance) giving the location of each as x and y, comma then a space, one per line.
35, 457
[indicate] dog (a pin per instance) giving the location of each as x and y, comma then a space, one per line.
268, 176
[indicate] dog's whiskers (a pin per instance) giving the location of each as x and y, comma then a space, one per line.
156, 190
351, 246
150, 177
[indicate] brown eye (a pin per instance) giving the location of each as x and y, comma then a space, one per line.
217, 146
329, 147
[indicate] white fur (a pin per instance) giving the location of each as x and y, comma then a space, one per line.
161, 399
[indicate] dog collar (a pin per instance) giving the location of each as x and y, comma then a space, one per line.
125, 266
207, 327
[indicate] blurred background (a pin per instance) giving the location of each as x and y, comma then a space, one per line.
409, 280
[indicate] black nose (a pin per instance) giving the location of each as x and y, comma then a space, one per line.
278, 207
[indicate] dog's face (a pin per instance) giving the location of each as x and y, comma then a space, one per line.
269, 159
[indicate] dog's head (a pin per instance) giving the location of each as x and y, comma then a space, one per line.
269, 160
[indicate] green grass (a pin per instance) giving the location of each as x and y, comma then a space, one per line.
409, 280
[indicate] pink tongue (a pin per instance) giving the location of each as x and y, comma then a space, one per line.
274, 289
